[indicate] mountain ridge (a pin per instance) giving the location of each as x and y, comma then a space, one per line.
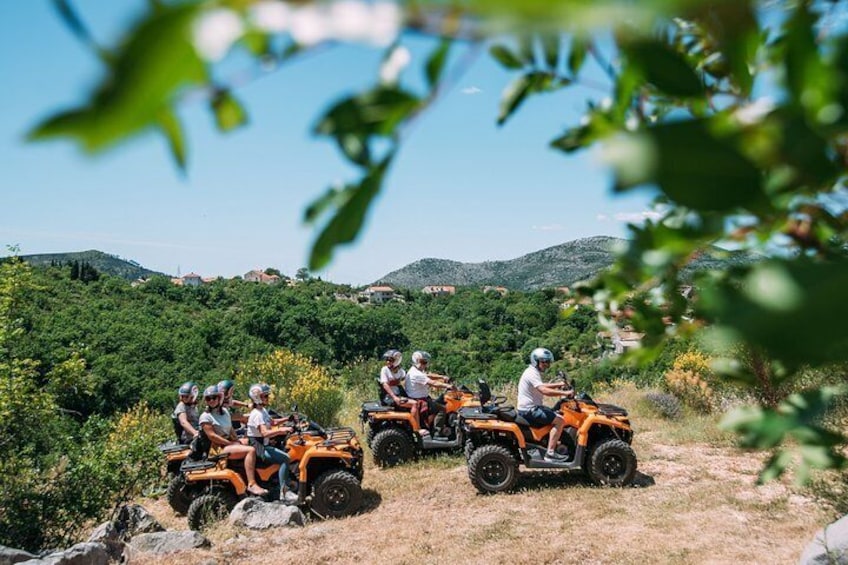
100, 260
558, 265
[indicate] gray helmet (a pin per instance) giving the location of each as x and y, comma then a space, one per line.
257, 391
540, 354
212, 391
420, 356
394, 356
190, 390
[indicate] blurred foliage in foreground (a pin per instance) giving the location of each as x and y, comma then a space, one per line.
733, 110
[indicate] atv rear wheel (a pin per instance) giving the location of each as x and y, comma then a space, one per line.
612, 463
391, 447
207, 509
179, 494
492, 469
335, 494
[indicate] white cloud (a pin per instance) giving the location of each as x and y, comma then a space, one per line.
630, 217
471, 90
549, 227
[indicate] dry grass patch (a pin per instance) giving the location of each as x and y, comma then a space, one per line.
698, 504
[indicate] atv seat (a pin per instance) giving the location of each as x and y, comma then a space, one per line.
374, 406
611, 410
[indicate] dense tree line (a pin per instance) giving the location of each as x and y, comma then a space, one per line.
139, 343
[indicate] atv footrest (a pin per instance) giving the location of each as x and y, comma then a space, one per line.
189, 466
173, 447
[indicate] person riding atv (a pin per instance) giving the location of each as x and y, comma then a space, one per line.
596, 441
325, 473
395, 436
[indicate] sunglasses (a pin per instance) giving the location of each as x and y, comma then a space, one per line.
208, 398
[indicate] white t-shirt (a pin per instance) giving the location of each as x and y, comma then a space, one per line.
393, 378
528, 395
258, 417
416, 383
221, 423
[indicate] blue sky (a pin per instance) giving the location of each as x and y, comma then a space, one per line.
462, 189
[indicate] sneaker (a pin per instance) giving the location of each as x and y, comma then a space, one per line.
554, 457
288, 497
256, 490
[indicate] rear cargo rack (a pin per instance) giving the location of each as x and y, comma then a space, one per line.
339, 436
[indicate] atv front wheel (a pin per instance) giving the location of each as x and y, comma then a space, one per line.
179, 494
612, 463
391, 447
335, 494
492, 469
207, 509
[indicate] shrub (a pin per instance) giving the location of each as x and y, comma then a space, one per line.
664, 404
689, 387
296, 380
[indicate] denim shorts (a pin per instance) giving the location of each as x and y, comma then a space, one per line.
538, 415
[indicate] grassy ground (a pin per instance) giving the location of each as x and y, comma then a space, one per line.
697, 502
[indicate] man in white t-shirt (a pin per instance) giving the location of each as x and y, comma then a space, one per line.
418, 384
531, 397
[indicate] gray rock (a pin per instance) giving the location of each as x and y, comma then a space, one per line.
256, 514
168, 542
829, 545
88, 553
10, 555
134, 519
107, 533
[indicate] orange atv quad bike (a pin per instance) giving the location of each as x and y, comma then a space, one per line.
596, 440
174, 450
325, 473
394, 435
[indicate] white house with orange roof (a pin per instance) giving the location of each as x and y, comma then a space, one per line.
439, 290
378, 294
261, 277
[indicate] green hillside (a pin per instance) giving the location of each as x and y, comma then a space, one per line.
103, 262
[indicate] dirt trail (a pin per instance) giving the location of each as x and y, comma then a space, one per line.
695, 504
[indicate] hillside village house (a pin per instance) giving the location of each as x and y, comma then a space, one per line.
192, 279
378, 294
443, 290
502, 290
261, 277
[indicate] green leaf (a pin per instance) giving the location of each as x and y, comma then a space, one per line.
577, 54
505, 57
574, 139
229, 113
734, 25
550, 45
377, 112
155, 61
526, 51
436, 63
792, 310
347, 222
332, 197
513, 96
775, 466
664, 68
171, 128
699, 170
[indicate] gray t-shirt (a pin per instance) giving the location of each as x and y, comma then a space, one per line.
190, 410
221, 423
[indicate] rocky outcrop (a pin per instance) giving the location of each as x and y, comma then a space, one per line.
87, 553
829, 545
10, 555
255, 514
168, 542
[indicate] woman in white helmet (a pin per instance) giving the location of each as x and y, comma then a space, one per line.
418, 385
260, 428
185, 414
218, 427
392, 377
531, 397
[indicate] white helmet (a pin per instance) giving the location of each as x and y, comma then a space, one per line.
540, 354
420, 356
394, 356
257, 391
